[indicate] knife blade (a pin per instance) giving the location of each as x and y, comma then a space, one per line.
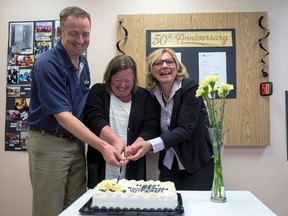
119, 171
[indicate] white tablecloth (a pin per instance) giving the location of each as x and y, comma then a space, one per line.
197, 203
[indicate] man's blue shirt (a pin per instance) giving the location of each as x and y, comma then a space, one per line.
56, 88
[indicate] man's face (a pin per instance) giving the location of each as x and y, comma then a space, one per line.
75, 35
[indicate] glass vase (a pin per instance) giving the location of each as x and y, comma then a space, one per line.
218, 138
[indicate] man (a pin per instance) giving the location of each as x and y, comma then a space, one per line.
60, 86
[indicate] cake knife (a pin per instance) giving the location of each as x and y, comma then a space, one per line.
119, 171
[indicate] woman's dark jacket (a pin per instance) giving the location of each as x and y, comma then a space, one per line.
188, 134
144, 121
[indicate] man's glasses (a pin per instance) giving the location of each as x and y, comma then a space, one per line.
160, 63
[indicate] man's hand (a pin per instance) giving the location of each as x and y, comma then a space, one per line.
112, 156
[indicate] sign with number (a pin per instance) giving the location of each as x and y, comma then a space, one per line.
266, 89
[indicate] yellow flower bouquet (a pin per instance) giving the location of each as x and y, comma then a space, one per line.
207, 90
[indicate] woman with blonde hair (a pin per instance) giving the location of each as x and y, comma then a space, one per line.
185, 148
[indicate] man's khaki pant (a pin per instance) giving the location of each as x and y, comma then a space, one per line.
57, 172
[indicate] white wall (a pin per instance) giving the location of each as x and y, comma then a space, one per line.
263, 170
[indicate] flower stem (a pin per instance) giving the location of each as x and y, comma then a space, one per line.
217, 139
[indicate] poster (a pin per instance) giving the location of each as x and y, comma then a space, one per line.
27, 40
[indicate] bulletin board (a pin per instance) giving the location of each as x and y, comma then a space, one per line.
247, 114
27, 40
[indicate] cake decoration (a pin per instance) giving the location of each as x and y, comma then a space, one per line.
111, 187
132, 194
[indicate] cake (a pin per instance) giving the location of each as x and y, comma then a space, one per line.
135, 195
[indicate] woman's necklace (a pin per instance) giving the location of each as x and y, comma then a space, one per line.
164, 98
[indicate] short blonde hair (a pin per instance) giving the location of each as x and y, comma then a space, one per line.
151, 82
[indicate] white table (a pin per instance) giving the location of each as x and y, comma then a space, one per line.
197, 203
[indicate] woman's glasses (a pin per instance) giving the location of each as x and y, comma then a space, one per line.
160, 63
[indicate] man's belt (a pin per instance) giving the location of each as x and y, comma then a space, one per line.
52, 133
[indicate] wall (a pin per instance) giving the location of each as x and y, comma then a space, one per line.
261, 170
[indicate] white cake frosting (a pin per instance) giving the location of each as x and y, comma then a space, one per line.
131, 194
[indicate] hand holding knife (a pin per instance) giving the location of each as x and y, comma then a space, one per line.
120, 169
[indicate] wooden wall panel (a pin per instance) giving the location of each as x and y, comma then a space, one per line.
247, 116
